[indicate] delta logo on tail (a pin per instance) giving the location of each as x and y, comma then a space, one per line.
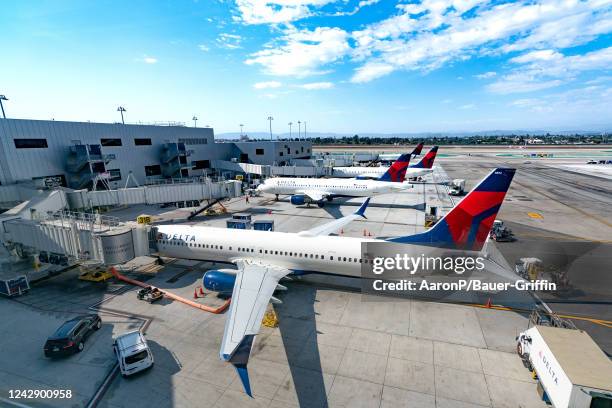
468, 224
397, 171
427, 161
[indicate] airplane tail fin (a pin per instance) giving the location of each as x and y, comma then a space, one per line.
427, 161
397, 171
417, 149
468, 224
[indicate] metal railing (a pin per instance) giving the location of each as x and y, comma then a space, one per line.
158, 123
186, 180
87, 220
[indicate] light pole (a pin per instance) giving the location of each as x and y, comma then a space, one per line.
195, 120
241, 126
304, 129
121, 109
270, 118
299, 129
290, 123
3, 98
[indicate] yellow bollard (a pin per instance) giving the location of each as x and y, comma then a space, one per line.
270, 319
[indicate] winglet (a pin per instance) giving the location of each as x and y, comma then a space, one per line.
361, 210
239, 360
243, 373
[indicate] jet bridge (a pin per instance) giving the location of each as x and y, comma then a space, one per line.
43, 224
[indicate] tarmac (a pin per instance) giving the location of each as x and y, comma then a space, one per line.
334, 347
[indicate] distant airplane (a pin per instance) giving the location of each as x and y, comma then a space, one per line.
423, 167
389, 157
263, 258
309, 190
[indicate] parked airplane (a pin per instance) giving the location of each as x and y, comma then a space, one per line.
309, 190
390, 157
263, 258
423, 167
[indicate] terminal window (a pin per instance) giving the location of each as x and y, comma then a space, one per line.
154, 170
142, 142
115, 175
31, 143
200, 164
110, 142
259, 152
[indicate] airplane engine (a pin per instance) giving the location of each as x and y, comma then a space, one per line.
221, 280
299, 199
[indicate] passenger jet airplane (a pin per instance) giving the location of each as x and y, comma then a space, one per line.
309, 190
423, 167
265, 257
390, 157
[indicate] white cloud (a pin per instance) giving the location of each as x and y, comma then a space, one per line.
277, 11
150, 60
359, 6
302, 52
486, 75
589, 101
545, 69
229, 41
467, 106
203, 47
317, 85
370, 71
540, 55
267, 85
433, 33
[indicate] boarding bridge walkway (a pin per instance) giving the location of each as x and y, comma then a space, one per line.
272, 171
44, 224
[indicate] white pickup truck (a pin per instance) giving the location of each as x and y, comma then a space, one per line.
572, 371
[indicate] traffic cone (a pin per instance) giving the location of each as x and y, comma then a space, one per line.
195, 293
489, 304
201, 291
369, 234
269, 212
365, 233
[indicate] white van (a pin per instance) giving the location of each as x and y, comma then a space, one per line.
132, 352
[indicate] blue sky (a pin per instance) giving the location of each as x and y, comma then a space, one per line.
347, 66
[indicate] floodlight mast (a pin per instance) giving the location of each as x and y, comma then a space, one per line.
121, 109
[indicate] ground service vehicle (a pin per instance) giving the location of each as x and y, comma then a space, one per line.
133, 353
500, 232
457, 187
70, 337
150, 294
572, 371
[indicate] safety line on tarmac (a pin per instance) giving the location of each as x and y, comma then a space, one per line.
585, 213
605, 323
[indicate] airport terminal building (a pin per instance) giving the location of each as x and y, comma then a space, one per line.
75, 154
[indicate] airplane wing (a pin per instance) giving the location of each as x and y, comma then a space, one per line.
255, 284
337, 224
314, 195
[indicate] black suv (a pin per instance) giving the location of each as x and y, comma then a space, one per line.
70, 337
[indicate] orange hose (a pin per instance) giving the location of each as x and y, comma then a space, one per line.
171, 295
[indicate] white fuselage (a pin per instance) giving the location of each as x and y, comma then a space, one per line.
375, 172
331, 254
337, 255
333, 187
